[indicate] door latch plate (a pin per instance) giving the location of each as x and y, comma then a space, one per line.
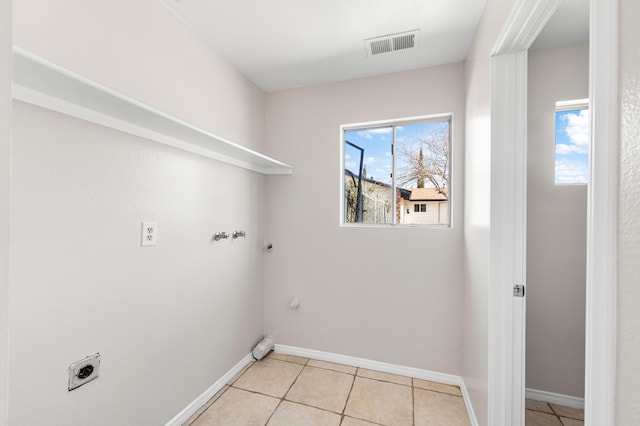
518, 290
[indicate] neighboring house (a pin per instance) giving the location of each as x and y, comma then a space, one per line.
377, 201
425, 206
415, 206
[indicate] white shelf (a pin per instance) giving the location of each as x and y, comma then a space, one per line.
50, 86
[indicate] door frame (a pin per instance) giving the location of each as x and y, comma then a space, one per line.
508, 212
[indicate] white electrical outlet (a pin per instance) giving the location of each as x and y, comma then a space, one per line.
84, 371
149, 233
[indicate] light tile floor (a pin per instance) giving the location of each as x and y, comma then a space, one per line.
284, 390
543, 414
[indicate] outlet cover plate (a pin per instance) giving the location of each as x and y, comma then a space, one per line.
149, 233
84, 371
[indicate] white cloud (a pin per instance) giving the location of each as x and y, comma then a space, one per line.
569, 149
350, 164
347, 157
369, 160
369, 134
577, 130
571, 172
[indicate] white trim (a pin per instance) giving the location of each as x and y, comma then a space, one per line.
381, 124
508, 227
418, 373
524, 23
571, 105
600, 353
393, 124
45, 84
473, 420
202, 399
555, 398
602, 216
507, 314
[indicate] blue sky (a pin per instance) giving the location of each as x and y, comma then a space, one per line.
572, 147
377, 148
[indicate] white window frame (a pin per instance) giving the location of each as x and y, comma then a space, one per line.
370, 125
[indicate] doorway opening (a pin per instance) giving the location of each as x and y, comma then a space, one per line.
508, 207
557, 177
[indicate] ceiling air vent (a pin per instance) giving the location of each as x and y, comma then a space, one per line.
392, 43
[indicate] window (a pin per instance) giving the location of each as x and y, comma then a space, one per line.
572, 142
397, 173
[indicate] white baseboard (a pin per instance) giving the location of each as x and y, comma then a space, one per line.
433, 376
554, 398
473, 420
193, 407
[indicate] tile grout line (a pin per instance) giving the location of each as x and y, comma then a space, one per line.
330, 369
440, 392
284, 360
413, 402
342, 414
223, 390
346, 401
355, 375
554, 413
312, 406
282, 399
371, 378
560, 415
274, 412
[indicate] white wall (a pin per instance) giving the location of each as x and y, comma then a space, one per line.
5, 143
391, 295
477, 205
556, 230
168, 320
141, 49
628, 361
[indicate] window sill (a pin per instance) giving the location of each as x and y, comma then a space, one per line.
393, 226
